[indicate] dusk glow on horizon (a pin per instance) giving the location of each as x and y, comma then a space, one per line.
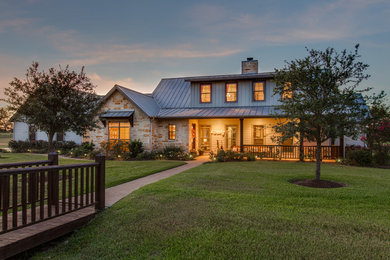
135, 44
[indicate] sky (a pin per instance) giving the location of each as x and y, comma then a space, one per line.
136, 43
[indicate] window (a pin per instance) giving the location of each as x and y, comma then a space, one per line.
171, 132
205, 93
258, 134
258, 91
32, 133
119, 131
287, 93
231, 92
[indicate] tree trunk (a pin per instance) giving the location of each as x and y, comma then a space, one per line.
51, 147
301, 150
318, 160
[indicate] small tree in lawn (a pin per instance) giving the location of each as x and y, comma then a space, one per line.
318, 97
55, 101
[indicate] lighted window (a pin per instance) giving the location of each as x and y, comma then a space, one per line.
258, 135
171, 132
205, 93
258, 91
231, 92
287, 91
119, 131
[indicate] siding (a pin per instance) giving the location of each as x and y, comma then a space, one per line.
244, 97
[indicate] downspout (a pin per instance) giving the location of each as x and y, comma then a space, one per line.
151, 133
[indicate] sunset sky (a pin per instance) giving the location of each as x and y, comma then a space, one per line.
136, 43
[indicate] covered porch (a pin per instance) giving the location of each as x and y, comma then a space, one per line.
252, 135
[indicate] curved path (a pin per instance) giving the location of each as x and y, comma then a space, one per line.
116, 193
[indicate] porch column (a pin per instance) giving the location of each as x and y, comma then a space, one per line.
241, 135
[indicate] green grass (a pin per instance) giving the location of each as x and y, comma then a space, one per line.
117, 172
243, 210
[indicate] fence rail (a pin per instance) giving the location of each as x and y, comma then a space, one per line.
292, 152
35, 191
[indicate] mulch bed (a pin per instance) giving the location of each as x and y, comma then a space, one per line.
318, 184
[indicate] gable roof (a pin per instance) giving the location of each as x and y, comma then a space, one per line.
144, 102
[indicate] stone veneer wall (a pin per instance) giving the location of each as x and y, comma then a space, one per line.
160, 134
140, 129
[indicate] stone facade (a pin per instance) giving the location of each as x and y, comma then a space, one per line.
141, 122
160, 134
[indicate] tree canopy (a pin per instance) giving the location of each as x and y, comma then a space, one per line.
56, 101
319, 98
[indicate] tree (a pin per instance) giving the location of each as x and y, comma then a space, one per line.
5, 125
319, 97
55, 101
377, 125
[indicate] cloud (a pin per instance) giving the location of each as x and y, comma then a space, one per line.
14, 24
104, 84
105, 54
317, 22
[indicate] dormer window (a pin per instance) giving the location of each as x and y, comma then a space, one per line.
231, 92
205, 93
258, 91
287, 91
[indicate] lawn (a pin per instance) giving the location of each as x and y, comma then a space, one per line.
117, 172
243, 210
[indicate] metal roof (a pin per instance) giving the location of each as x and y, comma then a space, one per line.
117, 113
145, 102
173, 93
217, 112
249, 76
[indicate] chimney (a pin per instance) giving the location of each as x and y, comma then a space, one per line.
249, 66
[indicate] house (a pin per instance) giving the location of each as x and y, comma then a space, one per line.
204, 113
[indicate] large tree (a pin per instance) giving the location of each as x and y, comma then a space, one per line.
319, 97
5, 125
56, 101
377, 125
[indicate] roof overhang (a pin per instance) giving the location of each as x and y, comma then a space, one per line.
249, 76
124, 114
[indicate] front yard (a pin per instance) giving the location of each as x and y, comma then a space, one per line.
117, 172
243, 210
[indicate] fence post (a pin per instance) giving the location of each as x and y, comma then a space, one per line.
100, 180
53, 180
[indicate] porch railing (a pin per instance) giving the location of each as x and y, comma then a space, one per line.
35, 191
292, 152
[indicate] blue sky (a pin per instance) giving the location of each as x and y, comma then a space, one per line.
136, 43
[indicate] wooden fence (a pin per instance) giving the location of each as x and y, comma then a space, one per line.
31, 192
292, 152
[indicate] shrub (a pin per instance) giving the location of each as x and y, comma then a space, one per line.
381, 157
251, 157
40, 146
359, 158
135, 148
146, 156
84, 150
115, 149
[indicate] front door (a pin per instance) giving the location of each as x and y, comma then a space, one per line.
231, 137
205, 138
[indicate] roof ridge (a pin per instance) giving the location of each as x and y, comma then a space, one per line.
144, 94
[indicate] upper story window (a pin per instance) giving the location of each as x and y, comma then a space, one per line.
119, 131
258, 91
231, 92
205, 93
171, 132
287, 92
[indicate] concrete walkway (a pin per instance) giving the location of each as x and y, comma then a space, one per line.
116, 193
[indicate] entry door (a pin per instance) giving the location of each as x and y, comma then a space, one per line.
231, 136
205, 138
